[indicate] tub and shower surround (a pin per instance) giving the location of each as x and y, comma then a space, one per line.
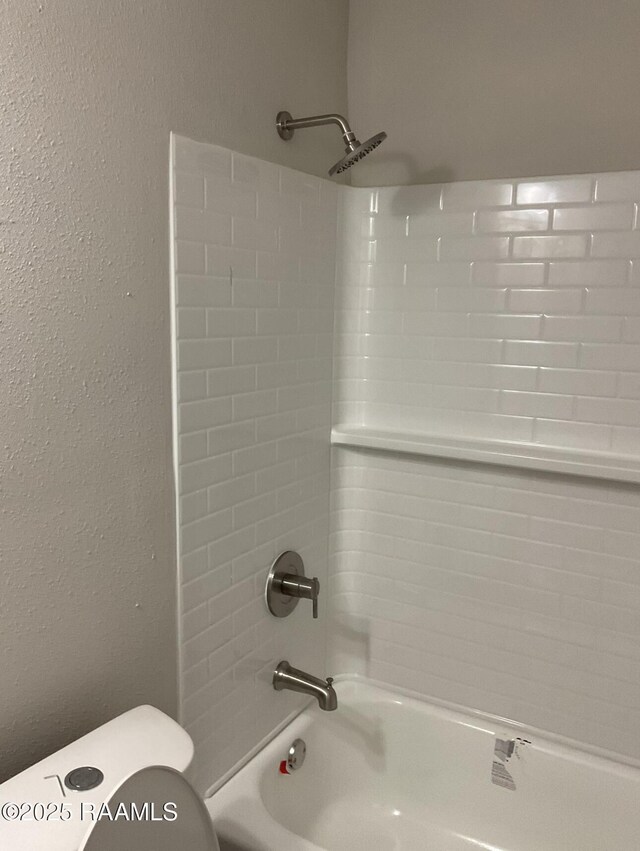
495, 321
254, 269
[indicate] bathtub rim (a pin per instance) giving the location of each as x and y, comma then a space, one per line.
569, 748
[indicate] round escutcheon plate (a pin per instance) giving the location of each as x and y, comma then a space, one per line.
281, 605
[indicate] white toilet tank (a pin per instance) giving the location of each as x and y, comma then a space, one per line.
119, 787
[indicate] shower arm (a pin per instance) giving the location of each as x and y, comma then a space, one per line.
286, 126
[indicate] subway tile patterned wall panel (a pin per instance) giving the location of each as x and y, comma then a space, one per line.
494, 309
254, 272
511, 592
503, 310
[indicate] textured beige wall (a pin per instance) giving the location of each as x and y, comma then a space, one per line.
470, 89
90, 92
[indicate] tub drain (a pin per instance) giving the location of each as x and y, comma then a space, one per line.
295, 757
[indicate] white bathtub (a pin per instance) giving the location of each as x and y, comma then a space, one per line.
390, 772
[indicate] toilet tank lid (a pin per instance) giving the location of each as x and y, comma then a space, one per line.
137, 739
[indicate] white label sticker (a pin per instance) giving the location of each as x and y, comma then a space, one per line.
501, 777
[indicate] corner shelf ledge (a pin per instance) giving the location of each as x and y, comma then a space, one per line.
529, 456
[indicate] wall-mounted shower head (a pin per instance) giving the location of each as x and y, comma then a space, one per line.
355, 151
353, 155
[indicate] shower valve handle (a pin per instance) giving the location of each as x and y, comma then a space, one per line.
302, 587
287, 584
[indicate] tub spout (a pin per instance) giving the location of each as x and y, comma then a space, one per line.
286, 677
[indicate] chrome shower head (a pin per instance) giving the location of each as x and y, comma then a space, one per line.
356, 153
356, 150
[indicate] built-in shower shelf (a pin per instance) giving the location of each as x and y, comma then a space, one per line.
505, 453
